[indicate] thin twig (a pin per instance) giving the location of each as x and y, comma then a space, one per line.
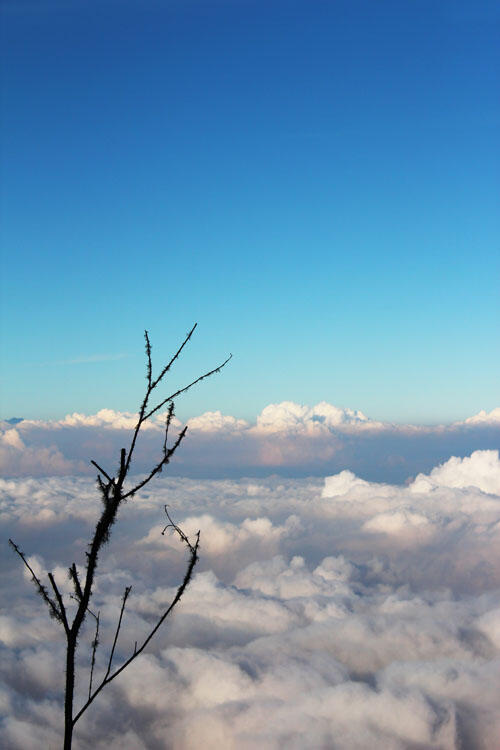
95, 644
176, 355
99, 468
62, 608
148, 354
137, 651
41, 588
126, 593
167, 425
186, 388
73, 575
165, 460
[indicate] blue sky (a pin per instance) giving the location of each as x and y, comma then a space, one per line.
315, 183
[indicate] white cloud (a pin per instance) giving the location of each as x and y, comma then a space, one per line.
287, 437
482, 417
215, 421
481, 469
289, 417
17, 459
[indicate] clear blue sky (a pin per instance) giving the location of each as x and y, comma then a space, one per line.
316, 183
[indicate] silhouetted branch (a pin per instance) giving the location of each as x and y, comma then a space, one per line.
73, 575
62, 608
113, 496
110, 480
186, 388
95, 644
167, 425
126, 593
176, 355
193, 558
54, 612
164, 461
148, 354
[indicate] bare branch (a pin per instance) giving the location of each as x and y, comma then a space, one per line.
186, 388
73, 575
148, 354
193, 558
167, 425
62, 608
95, 644
54, 612
176, 355
110, 480
150, 388
172, 525
159, 466
126, 593
113, 495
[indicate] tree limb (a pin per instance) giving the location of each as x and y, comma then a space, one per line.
193, 558
54, 612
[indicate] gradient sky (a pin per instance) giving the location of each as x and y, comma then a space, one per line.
315, 183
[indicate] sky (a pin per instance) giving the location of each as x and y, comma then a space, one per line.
315, 183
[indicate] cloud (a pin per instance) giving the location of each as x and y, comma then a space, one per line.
289, 417
323, 613
492, 417
17, 459
481, 469
286, 438
214, 421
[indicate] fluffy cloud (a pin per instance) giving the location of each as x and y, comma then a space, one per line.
214, 421
289, 417
323, 613
481, 469
17, 458
287, 438
492, 417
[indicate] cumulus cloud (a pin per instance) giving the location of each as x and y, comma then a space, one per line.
333, 612
291, 417
286, 438
481, 469
492, 417
215, 421
17, 458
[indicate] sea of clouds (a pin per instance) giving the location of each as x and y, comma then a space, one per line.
325, 612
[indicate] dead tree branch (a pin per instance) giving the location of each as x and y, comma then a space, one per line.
113, 493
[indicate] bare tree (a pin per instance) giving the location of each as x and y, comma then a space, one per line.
114, 491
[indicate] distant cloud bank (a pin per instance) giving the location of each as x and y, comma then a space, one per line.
286, 438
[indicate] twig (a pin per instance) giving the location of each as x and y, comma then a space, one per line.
176, 355
73, 575
95, 644
137, 651
186, 388
148, 354
110, 480
165, 460
40, 587
126, 593
62, 608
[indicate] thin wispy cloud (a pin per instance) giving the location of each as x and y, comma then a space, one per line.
84, 359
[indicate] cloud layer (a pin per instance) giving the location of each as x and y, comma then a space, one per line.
286, 438
332, 613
